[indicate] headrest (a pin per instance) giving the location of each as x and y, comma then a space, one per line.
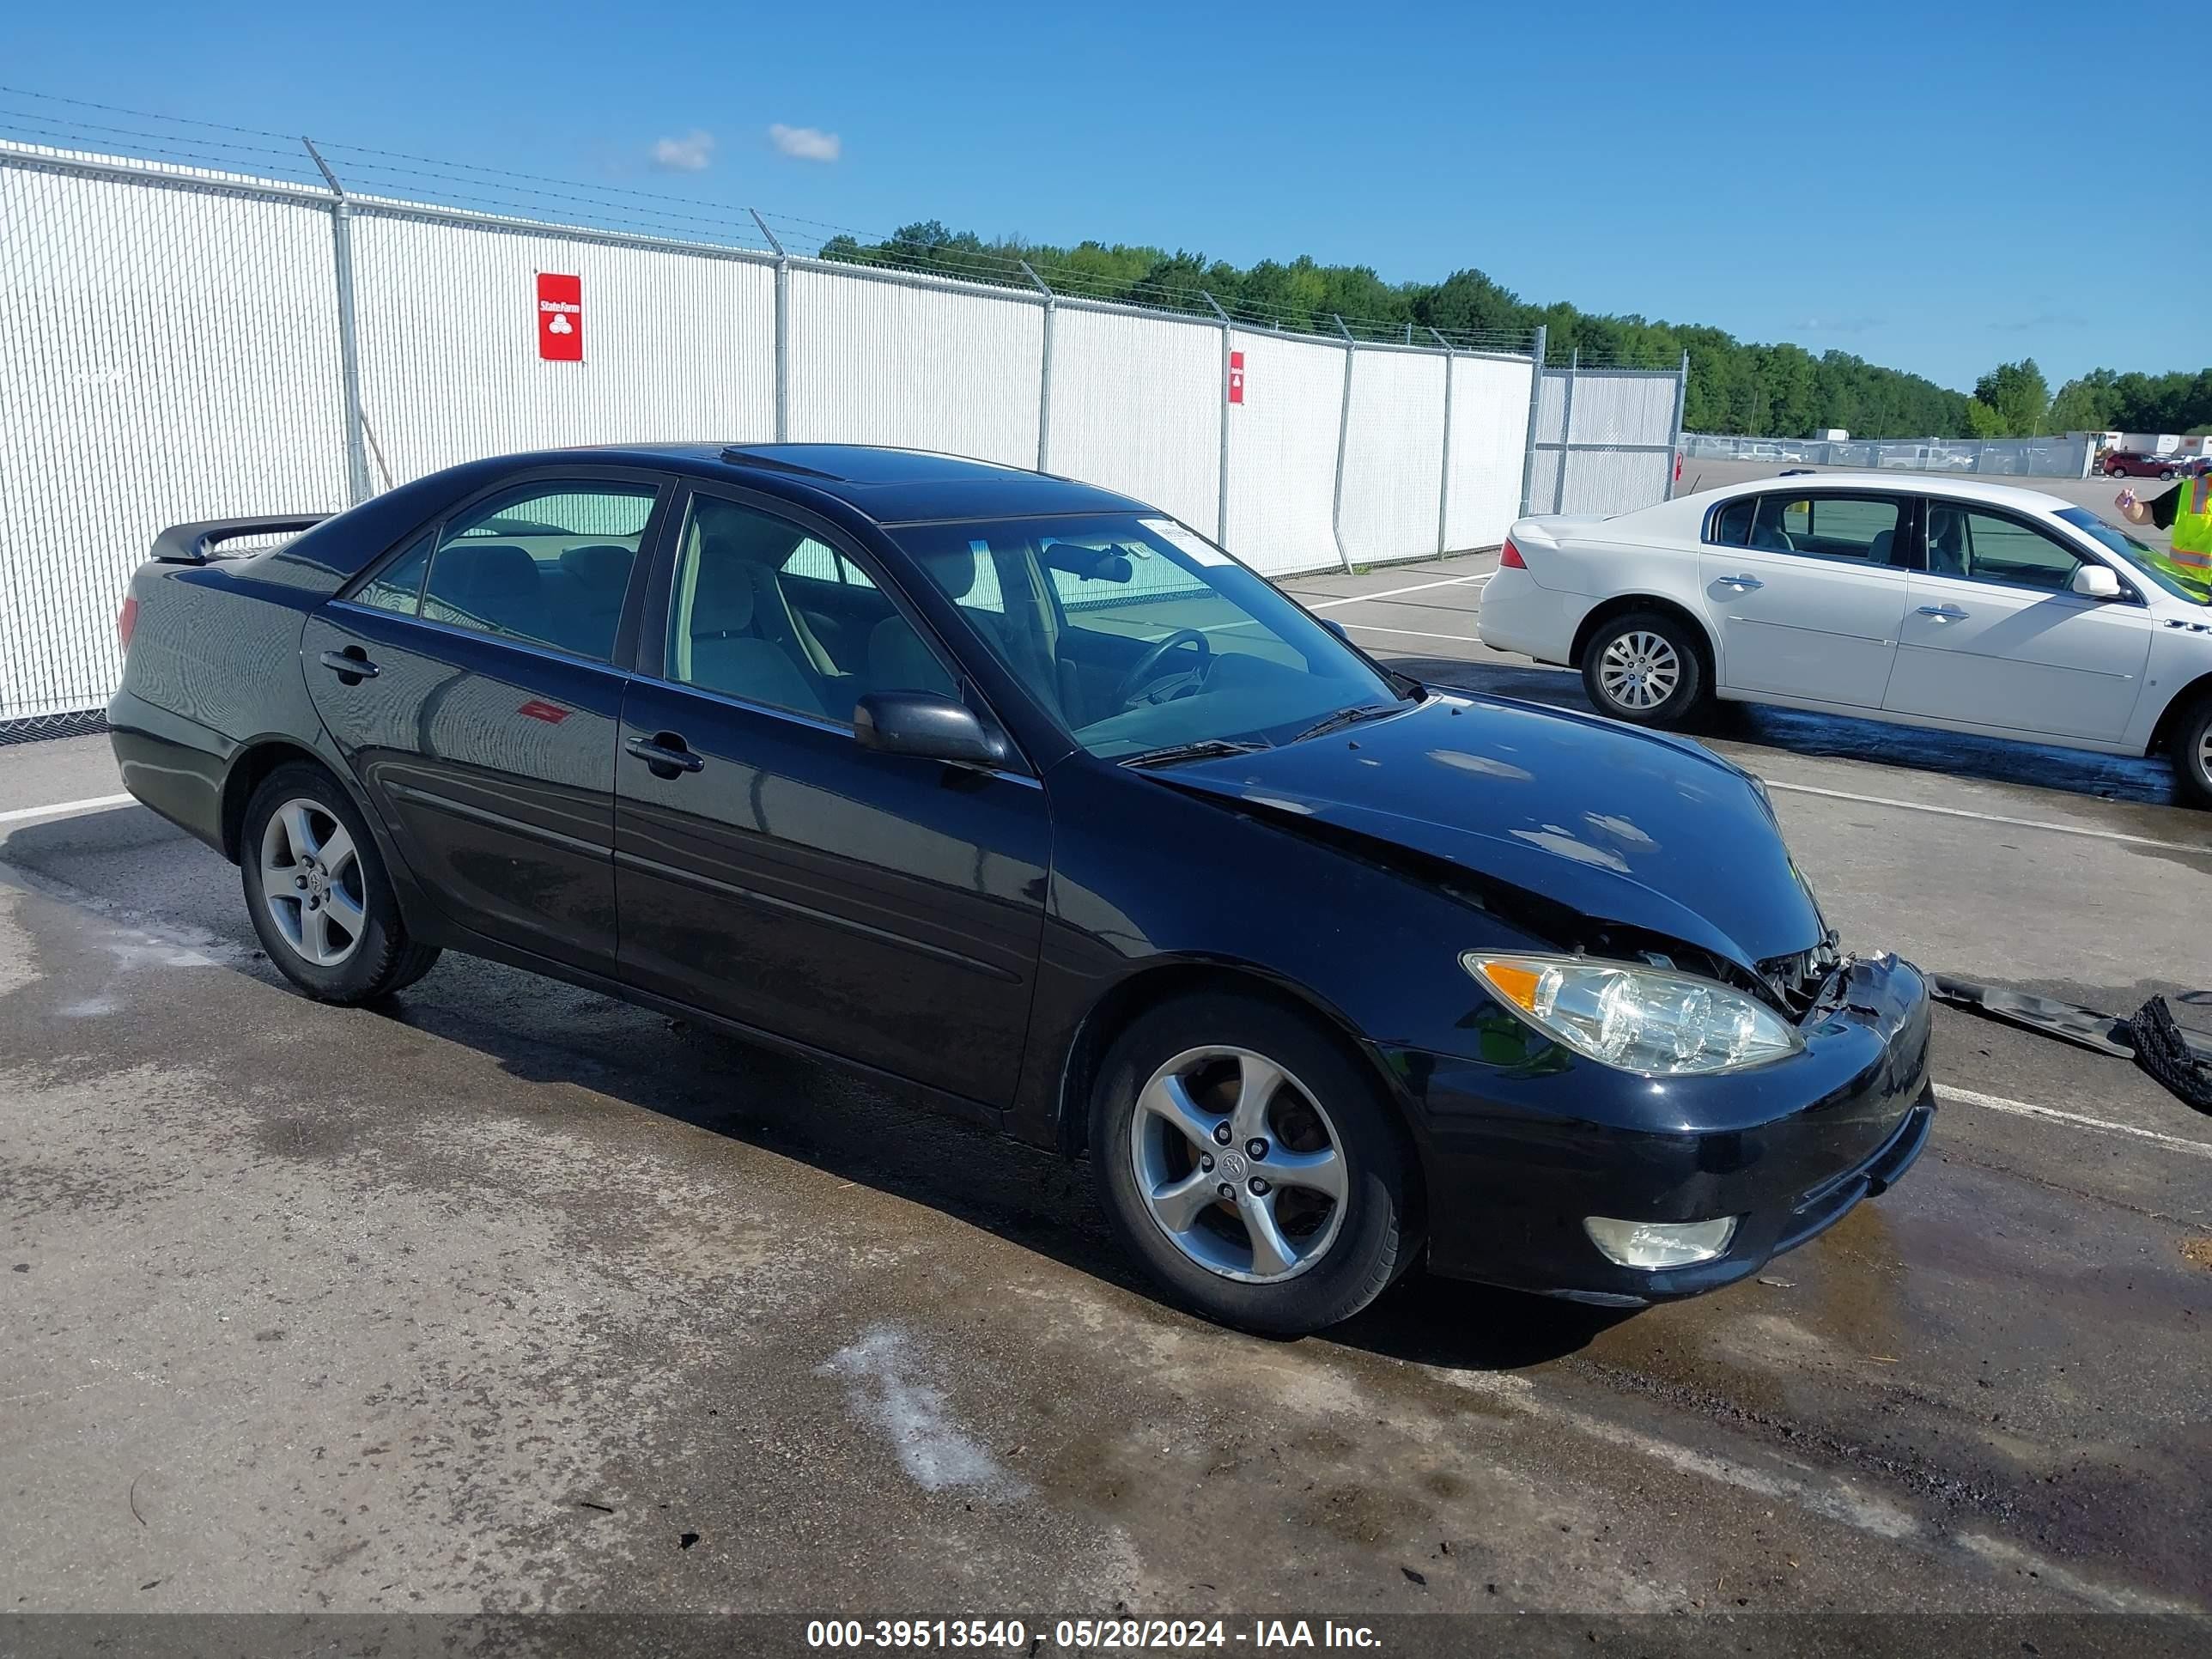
601, 568
953, 570
722, 602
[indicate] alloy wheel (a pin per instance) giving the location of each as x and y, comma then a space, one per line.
1639, 670
1239, 1165
311, 882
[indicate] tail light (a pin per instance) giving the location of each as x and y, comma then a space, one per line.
127, 622
1509, 557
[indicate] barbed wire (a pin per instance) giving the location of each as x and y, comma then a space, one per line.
368, 171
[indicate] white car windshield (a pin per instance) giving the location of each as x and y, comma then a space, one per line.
1142, 636
2140, 555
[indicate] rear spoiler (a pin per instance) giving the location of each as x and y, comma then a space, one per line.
194, 544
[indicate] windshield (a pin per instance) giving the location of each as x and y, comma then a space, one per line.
2141, 556
1142, 636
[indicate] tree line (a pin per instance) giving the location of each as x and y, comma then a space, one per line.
1735, 386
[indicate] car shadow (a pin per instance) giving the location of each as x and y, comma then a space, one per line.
872, 1134
875, 1135
1994, 760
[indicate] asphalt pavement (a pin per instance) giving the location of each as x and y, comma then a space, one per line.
512, 1297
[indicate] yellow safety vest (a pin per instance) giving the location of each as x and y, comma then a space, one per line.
2192, 528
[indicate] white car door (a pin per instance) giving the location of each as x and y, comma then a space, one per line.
1994, 635
1804, 593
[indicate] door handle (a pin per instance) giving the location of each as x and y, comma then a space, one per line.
1742, 584
1943, 612
351, 664
664, 752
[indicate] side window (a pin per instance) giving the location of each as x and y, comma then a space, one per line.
1983, 547
547, 564
732, 628
1861, 527
1732, 524
398, 585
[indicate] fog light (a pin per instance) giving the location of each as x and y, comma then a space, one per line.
1659, 1243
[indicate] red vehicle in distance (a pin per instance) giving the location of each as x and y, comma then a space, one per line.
2134, 464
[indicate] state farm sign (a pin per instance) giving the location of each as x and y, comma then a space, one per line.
559, 317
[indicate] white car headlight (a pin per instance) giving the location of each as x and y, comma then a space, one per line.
1640, 1019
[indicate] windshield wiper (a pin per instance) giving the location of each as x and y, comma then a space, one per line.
1203, 749
1344, 717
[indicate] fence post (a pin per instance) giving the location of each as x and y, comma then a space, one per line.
782, 330
1681, 396
1044, 367
356, 429
1566, 432
1221, 505
1535, 402
1443, 483
1343, 436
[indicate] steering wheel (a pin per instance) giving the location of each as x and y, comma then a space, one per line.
1149, 664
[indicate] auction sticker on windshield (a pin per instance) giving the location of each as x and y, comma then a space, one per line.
1173, 534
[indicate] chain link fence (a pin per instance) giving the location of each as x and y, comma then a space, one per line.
187, 341
2011, 458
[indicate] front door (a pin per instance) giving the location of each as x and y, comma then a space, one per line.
470, 684
883, 907
1995, 635
1806, 593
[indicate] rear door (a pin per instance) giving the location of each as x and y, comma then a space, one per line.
1807, 590
471, 683
881, 907
1994, 635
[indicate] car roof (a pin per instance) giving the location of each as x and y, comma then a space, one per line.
1895, 482
888, 485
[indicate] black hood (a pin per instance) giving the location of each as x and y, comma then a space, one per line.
1622, 826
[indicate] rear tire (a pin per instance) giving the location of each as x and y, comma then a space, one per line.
1331, 1224
2192, 748
1646, 668
2165, 473
318, 893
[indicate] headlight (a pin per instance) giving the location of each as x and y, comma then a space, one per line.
1639, 1019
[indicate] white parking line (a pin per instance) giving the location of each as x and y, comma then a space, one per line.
2104, 1126
1393, 592
64, 808
1411, 633
1989, 817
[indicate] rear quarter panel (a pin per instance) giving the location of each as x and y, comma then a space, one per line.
213, 666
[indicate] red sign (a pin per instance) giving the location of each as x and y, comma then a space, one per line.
1235, 377
559, 317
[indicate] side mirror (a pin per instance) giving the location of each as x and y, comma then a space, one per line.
2094, 581
1336, 627
924, 724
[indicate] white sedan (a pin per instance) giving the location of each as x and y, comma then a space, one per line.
1970, 607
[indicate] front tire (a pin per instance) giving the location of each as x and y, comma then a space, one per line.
1295, 1221
2192, 748
1644, 668
317, 894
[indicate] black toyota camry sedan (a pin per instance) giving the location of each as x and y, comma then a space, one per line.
1029, 798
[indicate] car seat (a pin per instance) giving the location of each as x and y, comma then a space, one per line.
726, 655
1947, 542
492, 586
598, 575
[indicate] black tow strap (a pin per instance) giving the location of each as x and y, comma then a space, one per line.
2179, 1061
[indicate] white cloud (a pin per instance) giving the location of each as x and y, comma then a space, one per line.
689, 154
807, 144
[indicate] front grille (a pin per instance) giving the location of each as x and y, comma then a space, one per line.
1797, 979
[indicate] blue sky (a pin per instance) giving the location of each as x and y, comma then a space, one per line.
1939, 188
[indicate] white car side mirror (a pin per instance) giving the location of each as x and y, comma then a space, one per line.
2094, 581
